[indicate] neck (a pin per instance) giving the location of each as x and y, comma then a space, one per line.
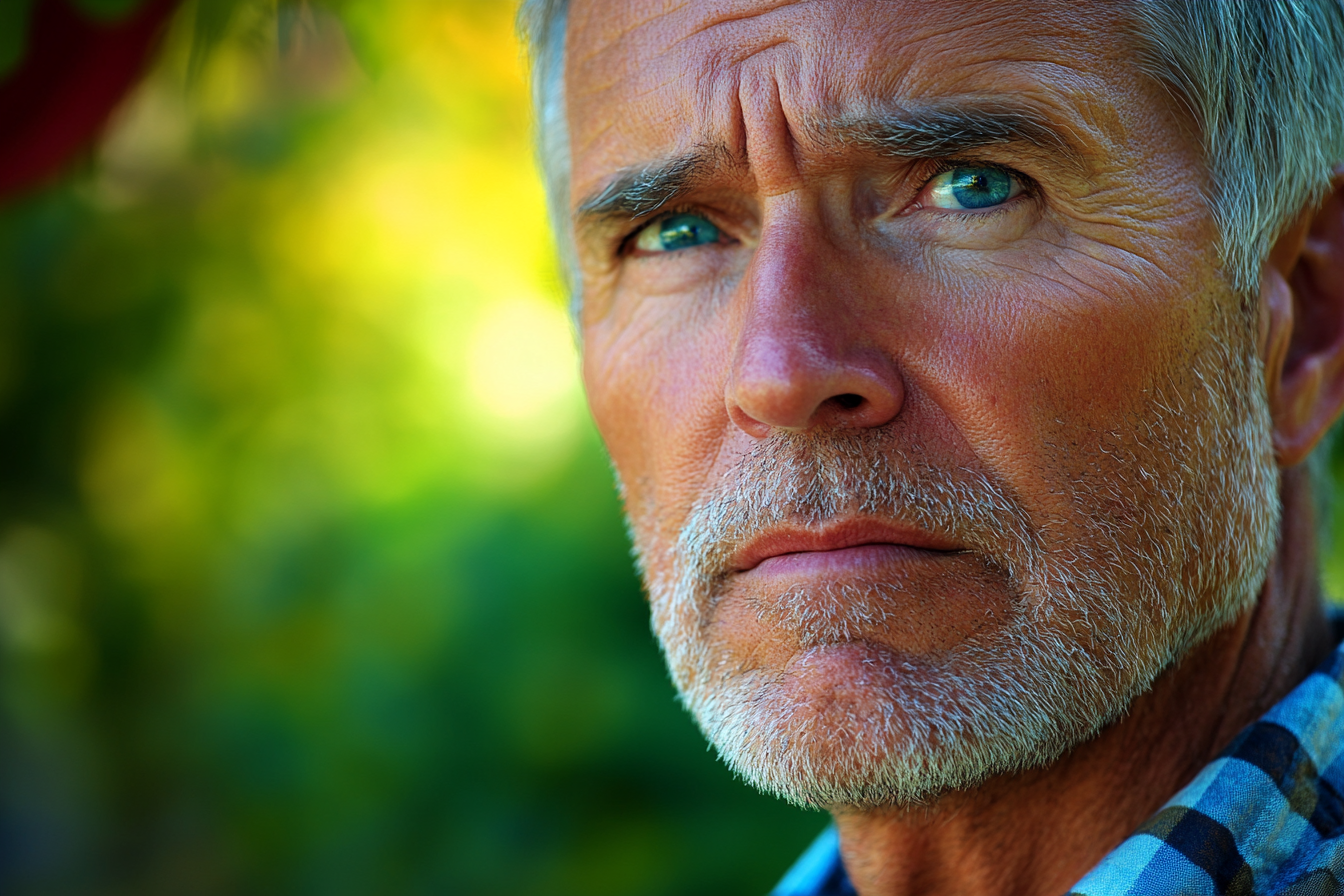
1038, 832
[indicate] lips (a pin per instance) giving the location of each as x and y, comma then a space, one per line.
837, 538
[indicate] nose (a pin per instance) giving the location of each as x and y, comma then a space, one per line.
803, 356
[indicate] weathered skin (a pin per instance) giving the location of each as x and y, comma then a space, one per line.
1012, 342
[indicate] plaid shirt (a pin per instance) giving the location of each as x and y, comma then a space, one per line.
1265, 817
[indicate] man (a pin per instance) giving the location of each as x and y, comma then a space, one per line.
959, 362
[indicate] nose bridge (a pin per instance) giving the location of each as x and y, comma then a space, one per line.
801, 357
789, 298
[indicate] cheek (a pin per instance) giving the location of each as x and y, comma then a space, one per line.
655, 387
1052, 379
1052, 368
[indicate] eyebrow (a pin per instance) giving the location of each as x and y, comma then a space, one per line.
637, 192
950, 128
944, 129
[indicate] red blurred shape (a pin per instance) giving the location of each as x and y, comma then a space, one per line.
73, 74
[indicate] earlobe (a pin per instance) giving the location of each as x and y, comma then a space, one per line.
1302, 328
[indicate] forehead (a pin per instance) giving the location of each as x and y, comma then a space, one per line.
647, 79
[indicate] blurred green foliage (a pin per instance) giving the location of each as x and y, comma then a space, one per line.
312, 578
15, 16
106, 10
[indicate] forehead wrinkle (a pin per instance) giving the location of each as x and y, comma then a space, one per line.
632, 40
729, 18
610, 40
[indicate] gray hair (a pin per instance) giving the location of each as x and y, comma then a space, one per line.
1264, 80
542, 26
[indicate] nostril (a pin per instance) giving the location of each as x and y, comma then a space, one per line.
849, 401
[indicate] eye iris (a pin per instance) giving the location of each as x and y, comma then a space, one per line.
685, 231
980, 187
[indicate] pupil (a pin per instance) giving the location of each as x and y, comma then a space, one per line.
980, 187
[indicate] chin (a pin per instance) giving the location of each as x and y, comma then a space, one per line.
860, 725
857, 725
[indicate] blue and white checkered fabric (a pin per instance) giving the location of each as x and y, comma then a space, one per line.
1265, 817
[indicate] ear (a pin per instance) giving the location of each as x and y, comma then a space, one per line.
1302, 327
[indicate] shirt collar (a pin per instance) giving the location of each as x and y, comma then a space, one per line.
1265, 817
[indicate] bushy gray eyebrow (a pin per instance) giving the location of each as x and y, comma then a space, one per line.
637, 192
933, 130
950, 129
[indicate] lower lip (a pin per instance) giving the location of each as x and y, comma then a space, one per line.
845, 560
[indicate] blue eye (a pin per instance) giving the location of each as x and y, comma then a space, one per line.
972, 188
675, 232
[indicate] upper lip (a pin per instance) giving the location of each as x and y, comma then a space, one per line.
837, 535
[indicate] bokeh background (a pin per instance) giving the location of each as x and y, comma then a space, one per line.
312, 576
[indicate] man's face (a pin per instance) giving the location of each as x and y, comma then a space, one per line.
940, 433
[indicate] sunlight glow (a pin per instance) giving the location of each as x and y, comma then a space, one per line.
520, 363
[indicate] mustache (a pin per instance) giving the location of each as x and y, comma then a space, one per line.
811, 478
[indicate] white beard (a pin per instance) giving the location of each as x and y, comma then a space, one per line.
1178, 523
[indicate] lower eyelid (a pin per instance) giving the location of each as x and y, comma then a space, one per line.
1006, 205
937, 217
